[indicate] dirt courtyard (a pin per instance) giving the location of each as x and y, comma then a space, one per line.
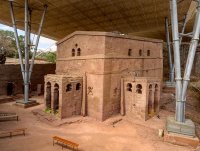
91, 135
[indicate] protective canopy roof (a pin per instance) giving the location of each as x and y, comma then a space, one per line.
138, 17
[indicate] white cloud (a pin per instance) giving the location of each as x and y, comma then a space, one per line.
46, 44
6, 28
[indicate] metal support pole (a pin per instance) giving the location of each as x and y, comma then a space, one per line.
16, 38
176, 46
37, 41
29, 30
191, 54
183, 29
29, 40
26, 71
26, 49
171, 74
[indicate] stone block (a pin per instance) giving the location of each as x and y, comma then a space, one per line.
179, 139
28, 104
186, 128
103, 59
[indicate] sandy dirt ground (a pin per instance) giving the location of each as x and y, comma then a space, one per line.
92, 135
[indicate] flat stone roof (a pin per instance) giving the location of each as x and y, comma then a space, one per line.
108, 34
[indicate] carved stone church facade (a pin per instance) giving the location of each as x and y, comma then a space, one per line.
100, 74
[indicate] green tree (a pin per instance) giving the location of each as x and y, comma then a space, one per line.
48, 56
7, 42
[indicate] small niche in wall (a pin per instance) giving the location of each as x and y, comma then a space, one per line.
56, 98
10, 88
148, 52
129, 87
78, 86
78, 52
150, 86
156, 98
129, 52
140, 52
48, 95
73, 52
68, 87
139, 88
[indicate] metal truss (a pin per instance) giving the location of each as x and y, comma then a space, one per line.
26, 68
182, 82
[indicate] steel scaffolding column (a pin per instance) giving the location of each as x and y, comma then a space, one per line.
26, 70
16, 38
171, 74
176, 48
191, 54
183, 28
179, 124
181, 89
37, 40
26, 50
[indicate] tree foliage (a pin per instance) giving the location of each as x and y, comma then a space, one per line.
48, 56
8, 44
2, 56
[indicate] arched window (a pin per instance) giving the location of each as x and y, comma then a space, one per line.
56, 98
129, 87
148, 52
68, 87
48, 95
140, 52
156, 86
48, 84
150, 101
78, 86
139, 88
156, 98
129, 52
78, 52
56, 86
73, 52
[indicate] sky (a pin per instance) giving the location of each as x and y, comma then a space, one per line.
45, 44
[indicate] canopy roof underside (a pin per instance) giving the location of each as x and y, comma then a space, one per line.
138, 17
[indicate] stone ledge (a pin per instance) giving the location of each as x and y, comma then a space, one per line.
186, 128
6, 99
182, 140
28, 104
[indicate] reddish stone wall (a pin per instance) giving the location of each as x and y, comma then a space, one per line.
79, 66
95, 96
70, 98
111, 95
104, 59
118, 46
141, 99
12, 73
89, 45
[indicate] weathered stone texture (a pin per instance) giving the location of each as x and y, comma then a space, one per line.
141, 97
70, 94
12, 73
102, 60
